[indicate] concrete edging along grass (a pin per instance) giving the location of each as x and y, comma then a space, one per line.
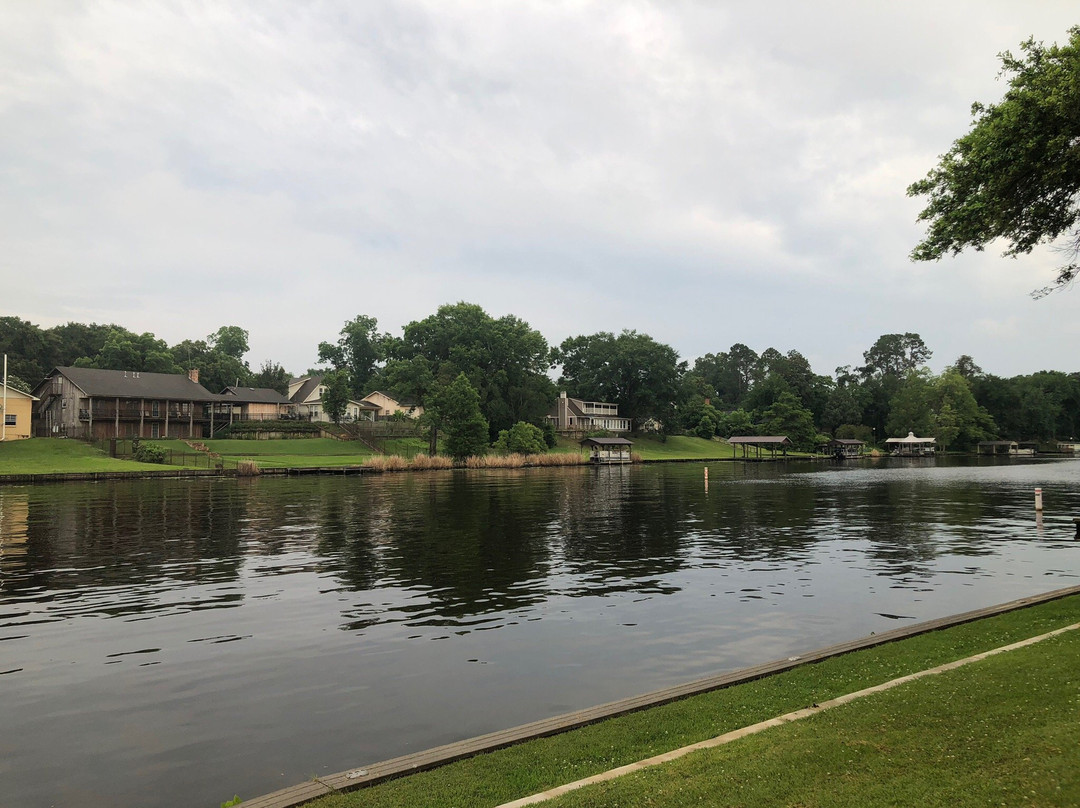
761, 726
432, 758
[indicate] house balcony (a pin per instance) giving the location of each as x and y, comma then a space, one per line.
137, 413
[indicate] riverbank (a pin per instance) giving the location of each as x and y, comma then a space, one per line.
57, 459
1006, 725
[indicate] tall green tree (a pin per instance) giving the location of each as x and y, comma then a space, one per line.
887, 363
787, 416
230, 340
458, 407
359, 350
1016, 174
272, 376
633, 370
335, 396
124, 350
504, 359
217, 369
910, 409
957, 419
29, 349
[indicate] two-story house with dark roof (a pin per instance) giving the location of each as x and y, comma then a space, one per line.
94, 404
576, 416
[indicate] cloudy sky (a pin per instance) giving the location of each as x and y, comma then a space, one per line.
708, 173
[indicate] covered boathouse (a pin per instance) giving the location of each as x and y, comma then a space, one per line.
844, 447
911, 446
759, 442
608, 450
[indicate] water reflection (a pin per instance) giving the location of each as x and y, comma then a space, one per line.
358, 618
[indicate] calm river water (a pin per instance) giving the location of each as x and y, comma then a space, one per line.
171, 643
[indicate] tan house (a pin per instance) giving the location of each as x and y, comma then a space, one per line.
389, 406
16, 408
256, 403
306, 396
577, 415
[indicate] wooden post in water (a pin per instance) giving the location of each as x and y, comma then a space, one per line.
1038, 499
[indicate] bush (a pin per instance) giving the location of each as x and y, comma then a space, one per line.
521, 438
148, 453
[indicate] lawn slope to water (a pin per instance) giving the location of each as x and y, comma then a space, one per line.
292, 453
1012, 717
62, 456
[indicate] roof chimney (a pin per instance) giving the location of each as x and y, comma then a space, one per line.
193, 374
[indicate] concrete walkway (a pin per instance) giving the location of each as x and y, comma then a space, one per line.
734, 735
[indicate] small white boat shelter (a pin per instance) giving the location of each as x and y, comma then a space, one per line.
911, 446
608, 450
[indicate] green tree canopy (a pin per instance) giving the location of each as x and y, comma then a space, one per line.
273, 376
231, 340
359, 350
458, 407
521, 438
787, 416
632, 370
504, 359
335, 396
1016, 174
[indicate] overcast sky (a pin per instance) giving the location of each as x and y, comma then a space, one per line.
707, 173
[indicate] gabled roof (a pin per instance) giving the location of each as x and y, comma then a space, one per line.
911, 439
305, 390
254, 395
15, 392
763, 440
607, 442
133, 384
401, 402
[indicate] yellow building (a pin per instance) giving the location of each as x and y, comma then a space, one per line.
16, 414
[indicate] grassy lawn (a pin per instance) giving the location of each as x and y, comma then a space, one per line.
294, 453
1002, 731
680, 447
999, 731
60, 456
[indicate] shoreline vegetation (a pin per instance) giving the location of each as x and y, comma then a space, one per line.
1001, 730
52, 457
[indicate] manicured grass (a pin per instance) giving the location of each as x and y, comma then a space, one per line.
680, 447
292, 453
1002, 731
1038, 721
60, 456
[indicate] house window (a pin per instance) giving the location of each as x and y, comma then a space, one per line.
9, 420
155, 408
155, 429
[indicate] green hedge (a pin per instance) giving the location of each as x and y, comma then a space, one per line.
245, 427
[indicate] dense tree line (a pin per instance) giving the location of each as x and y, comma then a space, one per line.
33, 351
478, 378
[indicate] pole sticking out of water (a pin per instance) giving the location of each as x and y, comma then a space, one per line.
1038, 499
706, 479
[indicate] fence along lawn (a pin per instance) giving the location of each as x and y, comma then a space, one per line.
294, 453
